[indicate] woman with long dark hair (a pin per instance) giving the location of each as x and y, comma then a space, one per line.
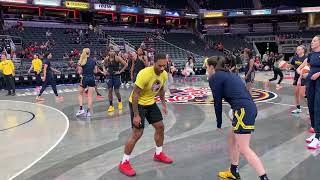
222, 83
249, 69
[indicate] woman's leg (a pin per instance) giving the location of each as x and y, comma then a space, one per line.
90, 105
243, 142
249, 87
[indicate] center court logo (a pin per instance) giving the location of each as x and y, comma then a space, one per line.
203, 95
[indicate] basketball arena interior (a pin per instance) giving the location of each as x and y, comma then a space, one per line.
159, 89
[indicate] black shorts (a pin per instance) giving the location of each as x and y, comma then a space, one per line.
87, 82
114, 81
296, 78
243, 120
251, 77
152, 113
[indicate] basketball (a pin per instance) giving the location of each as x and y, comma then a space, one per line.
305, 70
283, 64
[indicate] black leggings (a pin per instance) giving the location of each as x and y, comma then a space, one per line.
2, 85
49, 80
9, 82
38, 79
125, 77
313, 90
277, 72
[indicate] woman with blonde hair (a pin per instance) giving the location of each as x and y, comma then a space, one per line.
87, 69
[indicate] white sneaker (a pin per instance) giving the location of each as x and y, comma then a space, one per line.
88, 114
315, 144
296, 111
80, 112
310, 139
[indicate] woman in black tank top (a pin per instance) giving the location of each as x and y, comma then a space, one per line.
139, 62
112, 70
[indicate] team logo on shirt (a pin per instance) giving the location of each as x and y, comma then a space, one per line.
203, 95
156, 86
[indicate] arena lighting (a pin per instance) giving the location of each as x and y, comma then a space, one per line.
131, 15
128, 9
47, 2
261, 12
176, 18
310, 9
77, 5
211, 14
105, 7
152, 17
286, 11
152, 11
15, 1
112, 14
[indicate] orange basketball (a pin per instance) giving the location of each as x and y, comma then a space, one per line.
283, 64
305, 70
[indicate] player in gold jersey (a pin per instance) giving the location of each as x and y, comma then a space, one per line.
149, 83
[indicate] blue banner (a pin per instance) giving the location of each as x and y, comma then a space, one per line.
172, 13
128, 9
237, 13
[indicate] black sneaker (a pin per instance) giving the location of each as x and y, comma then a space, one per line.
13, 94
9, 94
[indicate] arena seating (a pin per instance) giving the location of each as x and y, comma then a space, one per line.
181, 4
231, 41
191, 43
178, 55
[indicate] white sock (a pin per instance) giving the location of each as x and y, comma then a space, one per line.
158, 150
125, 158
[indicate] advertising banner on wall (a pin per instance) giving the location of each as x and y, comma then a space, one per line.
172, 13
47, 2
310, 9
105, 7
237, 13
286, 11
77, 5
152, 11
128, 9
211, 14
261, 12
15, 1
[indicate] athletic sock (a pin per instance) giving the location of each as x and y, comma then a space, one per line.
298, 106
80, 107
158, 150
264, 177
235, 170
125, 158
119, 99
111, 103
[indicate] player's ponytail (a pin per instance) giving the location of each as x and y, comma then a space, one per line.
84, 56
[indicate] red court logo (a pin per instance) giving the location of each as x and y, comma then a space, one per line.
203, 95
